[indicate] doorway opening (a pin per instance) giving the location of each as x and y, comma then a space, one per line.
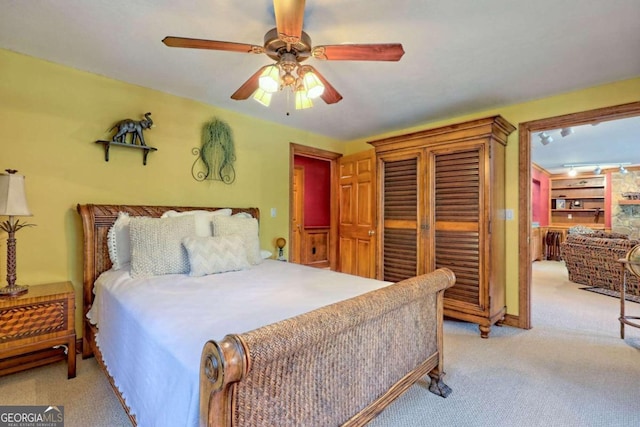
313, 207
526, 130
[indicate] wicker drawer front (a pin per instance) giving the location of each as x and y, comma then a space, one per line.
33, 320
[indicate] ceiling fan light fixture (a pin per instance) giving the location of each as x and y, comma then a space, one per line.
262, 96
302, 99
623, 170
269, 80
313, 85
572, 172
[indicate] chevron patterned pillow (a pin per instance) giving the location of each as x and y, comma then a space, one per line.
211, 255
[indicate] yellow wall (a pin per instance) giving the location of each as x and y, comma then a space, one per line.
50, 116
597, 97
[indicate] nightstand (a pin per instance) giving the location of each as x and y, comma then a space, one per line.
36, 327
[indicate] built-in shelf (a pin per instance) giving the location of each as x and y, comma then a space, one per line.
576, 187
145, 149
577, 201
580, 197
576, 210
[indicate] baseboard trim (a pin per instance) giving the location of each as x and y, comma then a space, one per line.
512, 320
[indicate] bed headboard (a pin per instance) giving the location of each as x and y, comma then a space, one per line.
96, 221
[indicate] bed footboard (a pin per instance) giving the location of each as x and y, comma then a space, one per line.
339, 365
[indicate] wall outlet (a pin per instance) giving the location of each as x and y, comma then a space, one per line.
273, 212
569, 216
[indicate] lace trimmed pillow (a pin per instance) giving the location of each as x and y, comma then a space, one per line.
156, 245
211, 255
118, 242
246, 228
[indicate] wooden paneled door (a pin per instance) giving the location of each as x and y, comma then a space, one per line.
357, 224
297, 215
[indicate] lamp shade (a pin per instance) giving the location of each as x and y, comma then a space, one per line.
262, 97
269, 80
13, 201
314, 87
302, 100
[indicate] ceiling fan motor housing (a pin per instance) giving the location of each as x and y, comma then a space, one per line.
274, 47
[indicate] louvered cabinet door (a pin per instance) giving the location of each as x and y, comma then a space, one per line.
468, 237
459, 223
400, 184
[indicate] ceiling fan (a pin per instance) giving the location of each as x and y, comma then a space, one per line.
289, 46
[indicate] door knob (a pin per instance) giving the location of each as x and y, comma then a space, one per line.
372, 232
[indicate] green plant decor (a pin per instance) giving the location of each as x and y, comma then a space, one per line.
216, 155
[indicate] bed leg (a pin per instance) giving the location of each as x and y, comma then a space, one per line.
438, 386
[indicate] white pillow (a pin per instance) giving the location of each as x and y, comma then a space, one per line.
243, 215
203, 219
118, 242
223, 212
156, 245
265, 254
210, 255
247, 228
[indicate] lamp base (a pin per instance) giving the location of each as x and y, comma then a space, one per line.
13, 291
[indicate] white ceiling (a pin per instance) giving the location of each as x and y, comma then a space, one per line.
461, 56
605, 144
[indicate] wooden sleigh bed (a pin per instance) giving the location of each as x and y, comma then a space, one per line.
341, 364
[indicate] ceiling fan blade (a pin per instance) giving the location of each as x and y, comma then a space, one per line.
359, 52
289, 17
211, 44
330, 94
248, 87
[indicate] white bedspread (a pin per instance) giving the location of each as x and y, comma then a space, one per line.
151, 331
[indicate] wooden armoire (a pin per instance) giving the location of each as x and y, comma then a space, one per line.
441, 201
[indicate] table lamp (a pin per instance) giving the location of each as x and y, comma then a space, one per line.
13, 202
280, 243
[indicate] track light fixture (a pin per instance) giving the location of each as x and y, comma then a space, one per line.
566, 132
545, 138
584, 167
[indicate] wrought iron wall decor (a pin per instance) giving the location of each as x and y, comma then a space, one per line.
217, 154
133, 127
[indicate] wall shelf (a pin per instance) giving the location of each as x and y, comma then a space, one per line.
145, 149
629, 202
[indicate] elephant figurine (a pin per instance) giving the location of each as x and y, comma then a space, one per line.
134, 127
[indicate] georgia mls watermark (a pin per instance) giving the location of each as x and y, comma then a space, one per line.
32, 416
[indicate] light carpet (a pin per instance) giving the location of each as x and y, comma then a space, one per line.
570, 369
